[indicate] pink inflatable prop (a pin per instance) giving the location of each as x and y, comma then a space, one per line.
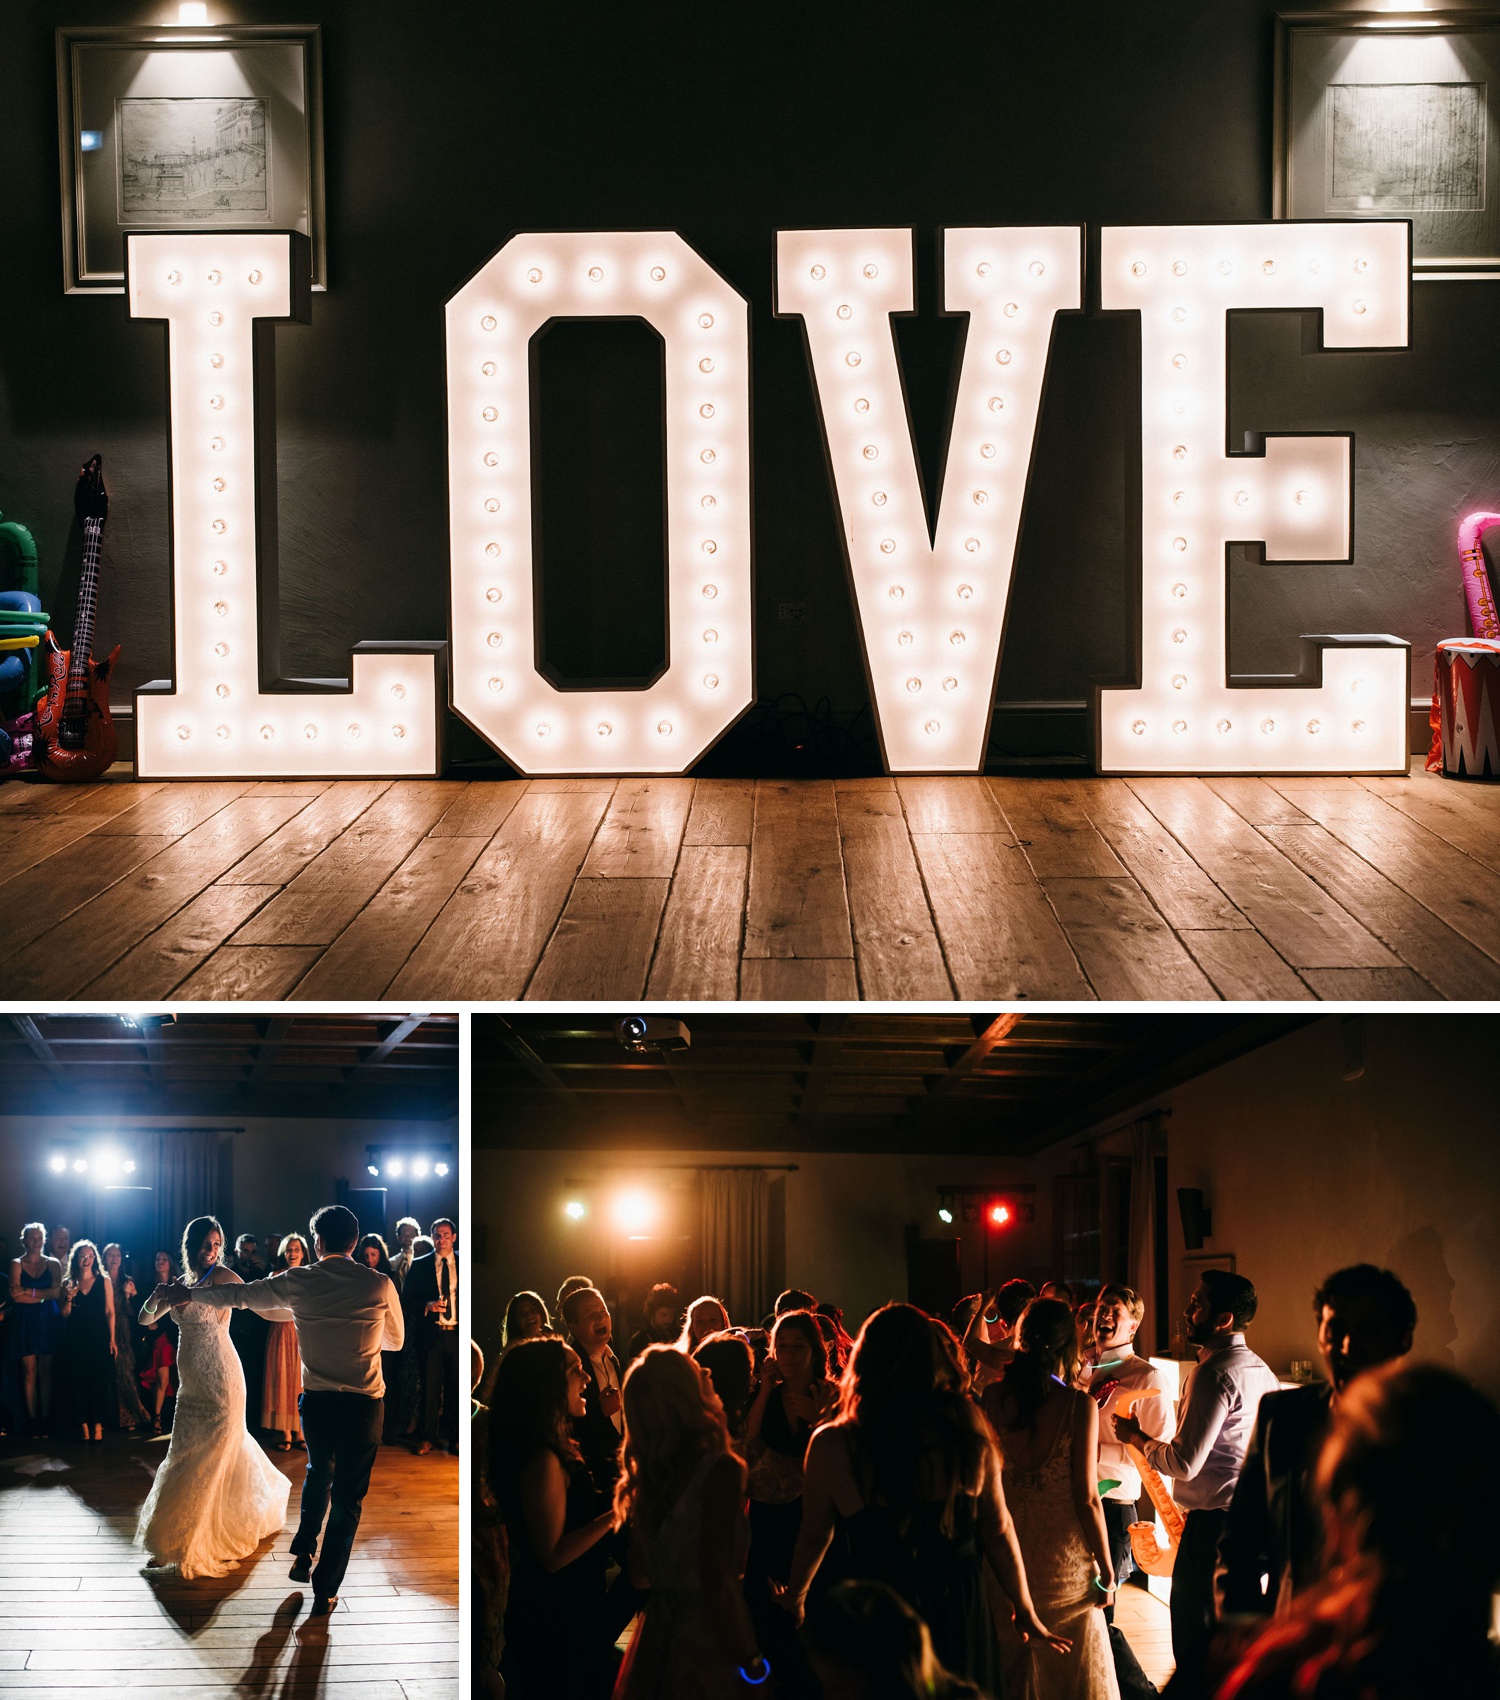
1466, 676
1482, 620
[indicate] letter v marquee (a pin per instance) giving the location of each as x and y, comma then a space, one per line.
1346, 711
931, 612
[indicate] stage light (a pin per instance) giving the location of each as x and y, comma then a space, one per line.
106, 1165
213, 720
931, 605
999, 1215
57, 1163
574, 1210
704, 327
1346, 711
80, 1165
419, 1167
395, 1168
374, 1169
945, 1215
129, 1165
440, 1168
635, 1211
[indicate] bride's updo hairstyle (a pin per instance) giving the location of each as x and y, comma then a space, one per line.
1046, 1352
193, 1236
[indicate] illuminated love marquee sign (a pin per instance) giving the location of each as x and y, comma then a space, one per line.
931, 606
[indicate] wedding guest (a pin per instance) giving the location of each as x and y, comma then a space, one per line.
1365, 1317
130, 1412
682, 1493
526, 1318
794, 1298
407, 1231
249, 1332
731, 1365
1410, 1569
35, 1326
1118, 1376
430, 1300
1062, 1290
283, 1371
60, 1244
992, 1318
159, 1377
793, 1398
865, 1643
1049, 1439
557, 1646
86, 1361
660, 1312
602, 1426
571, 1284
705, 1316
910, 1473
840, 1345
371, 1251
1215, 1422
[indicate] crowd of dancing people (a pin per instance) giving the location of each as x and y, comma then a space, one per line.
948, 1508
83, 1353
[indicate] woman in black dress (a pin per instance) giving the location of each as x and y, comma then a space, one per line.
557, 1642
910, 1473
132, 1413
88, 1345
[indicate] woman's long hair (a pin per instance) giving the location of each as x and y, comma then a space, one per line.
529, 1414
525, 1296
867, 1629
902, 1400
685, 1341
671, 1421
193, 1236
280, 1261
803, 1322
1411, 1566
384, 1265
1046, 1347
72, 1272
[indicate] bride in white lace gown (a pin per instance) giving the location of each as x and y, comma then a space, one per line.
216, 1496
1049, 1440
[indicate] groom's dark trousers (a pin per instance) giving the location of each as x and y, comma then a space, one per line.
342, 1433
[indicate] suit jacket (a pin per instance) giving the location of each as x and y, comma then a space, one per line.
598, 1438
1273, 1526
418, 1291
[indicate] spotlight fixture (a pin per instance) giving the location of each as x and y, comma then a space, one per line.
575, 1210
999, 1215
635, 1210
374, 1169
80, 1165
57, 1163
945, 1215
996, 1207
396, 1168
396, 1162
440, 1168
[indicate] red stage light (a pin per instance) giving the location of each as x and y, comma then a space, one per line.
999, 1214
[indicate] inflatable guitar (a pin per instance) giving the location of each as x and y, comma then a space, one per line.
74, 732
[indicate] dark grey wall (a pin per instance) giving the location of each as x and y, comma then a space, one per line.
450, 126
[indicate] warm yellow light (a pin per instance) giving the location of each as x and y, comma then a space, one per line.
931, 609
1295, 498
704, 325
213, 720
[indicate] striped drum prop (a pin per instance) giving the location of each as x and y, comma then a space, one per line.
1466, 709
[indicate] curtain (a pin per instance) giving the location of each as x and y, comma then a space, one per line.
736, 1229
186, 1182
1145, 1142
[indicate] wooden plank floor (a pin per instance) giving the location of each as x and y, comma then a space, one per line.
78, 1616
1145, 1624
910, 889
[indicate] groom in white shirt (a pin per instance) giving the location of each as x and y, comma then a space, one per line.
346, 1315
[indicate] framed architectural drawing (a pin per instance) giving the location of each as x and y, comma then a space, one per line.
163, 128
1394, 115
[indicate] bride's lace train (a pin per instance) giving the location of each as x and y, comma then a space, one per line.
216, 1496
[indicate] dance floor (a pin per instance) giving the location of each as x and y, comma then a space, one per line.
1145, 1623
716, 889
77, 1615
